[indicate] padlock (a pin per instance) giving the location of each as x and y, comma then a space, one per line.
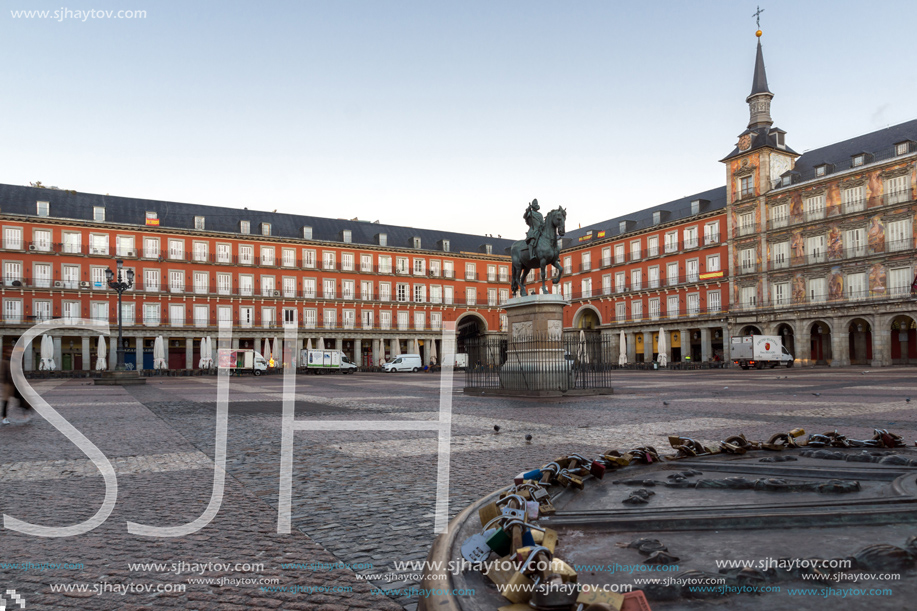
590, 595
488, 512
534, 474
552, 595
512, 513
499, 542
531, 510
540, 494
475, 548
549, 472
597, 469
546, 508
500, 571
564, 570
566, 478
518, 589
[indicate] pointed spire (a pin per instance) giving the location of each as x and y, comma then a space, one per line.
759, 82
759, 100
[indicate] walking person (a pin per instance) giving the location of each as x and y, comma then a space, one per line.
9, 390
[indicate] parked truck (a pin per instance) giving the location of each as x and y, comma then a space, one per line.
242, 361
326, 361
759, 351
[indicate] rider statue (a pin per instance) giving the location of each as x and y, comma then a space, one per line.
535, 221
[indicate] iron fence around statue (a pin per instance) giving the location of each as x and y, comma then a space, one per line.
568, 362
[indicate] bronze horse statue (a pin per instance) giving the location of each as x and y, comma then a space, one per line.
546, 252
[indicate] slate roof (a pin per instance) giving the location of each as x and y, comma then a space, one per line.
677, 209
759, 80
16, 199
761, 137
880, 144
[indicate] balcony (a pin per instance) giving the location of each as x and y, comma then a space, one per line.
691, 243
748, 267
816, 257
781, 262
815, 214
711, 238
778, 222
855, 205
747, 229
471, 276
897, 197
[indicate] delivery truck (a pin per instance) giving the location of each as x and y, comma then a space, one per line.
242, 361
326, 361
759, 351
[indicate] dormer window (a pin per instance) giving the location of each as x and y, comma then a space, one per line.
820, 170
901, 148
445, 245
695, 207
307, 233
489, 249
346, 236
265, 229
657, 217
622, 227
858, 160
786, 181
43, 208
779, 139
415, 242
198, 222
245, 227
383, 239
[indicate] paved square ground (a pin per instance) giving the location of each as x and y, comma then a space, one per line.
361, 500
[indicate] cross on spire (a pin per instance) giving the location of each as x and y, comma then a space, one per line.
757, 16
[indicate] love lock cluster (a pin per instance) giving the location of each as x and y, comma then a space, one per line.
528, 573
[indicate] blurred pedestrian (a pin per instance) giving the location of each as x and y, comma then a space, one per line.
9, 388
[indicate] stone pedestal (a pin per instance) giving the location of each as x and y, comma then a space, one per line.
535, 363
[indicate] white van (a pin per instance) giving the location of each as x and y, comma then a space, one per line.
403, 362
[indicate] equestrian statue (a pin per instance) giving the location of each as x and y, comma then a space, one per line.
539, 248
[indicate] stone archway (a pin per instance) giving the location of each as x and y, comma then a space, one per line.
820, 343
470, 329
750, 330
788, 337
903, 341
859, 333
587, 317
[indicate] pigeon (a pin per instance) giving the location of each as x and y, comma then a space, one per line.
665, 402
496, 428
908, 400
817, 394
725, 388
528, 438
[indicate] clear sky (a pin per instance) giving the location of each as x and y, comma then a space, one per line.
431, 113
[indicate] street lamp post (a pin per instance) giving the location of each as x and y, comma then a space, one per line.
120, 286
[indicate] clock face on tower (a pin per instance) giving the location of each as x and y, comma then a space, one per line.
779, 165
745, 142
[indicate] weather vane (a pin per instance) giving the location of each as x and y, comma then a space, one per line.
757, 16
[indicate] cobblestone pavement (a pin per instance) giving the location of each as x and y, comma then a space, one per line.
361, 498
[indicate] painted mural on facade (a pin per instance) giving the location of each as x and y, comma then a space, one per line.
797, 246
877, 279
875, 235
874, 190
835, 244
835, 284
796, 207
833, 201
799, 289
